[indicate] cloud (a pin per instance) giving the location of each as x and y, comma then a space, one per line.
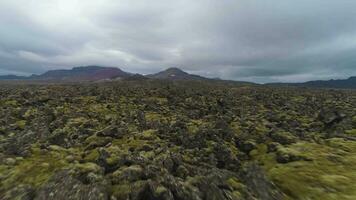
234, 39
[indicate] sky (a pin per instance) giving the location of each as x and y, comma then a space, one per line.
250, 40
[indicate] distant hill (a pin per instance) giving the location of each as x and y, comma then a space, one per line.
90, 73
13, 77
85, 73
135, 77
349, 83
175, 74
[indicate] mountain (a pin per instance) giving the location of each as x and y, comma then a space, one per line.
86, 73
175, 74
13, 77
135, 77
89, 73
349, 83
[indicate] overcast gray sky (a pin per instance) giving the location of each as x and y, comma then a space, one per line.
254, 40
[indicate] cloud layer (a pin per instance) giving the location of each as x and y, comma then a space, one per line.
262, 41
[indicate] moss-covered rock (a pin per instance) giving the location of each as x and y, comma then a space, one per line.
131, 173
283, 137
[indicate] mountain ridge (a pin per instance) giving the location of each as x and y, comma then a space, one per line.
81, 73
349, 83
99, 73
91, 73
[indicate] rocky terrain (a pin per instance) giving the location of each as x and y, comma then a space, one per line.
149, 139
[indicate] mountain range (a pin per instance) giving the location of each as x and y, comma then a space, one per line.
98, 73
340, 83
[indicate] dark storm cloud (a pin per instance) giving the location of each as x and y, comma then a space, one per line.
261, 41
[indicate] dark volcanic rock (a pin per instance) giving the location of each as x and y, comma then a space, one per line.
63, 186
257, 182
330, 117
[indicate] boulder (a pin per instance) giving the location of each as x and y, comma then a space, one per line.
21, 192
284, 138
111, 131
131, 174
246, 146
330, 116
256, 180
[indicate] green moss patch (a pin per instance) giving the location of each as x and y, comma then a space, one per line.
35, 170
330, 174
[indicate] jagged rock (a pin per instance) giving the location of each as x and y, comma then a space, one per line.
21, 192
330, 117
159, 192
246, 146
258, 184
63, 186
98, 143
111, 131
102, 159
19, 145
283, 137
182, 172
152, 171
272, 147
58, 137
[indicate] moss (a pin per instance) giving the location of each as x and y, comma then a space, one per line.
151, 116
2, 130
234, 184
194, 125
232, 147
148, 154
283, 137
127, 143
354, 120
351, 132
236, 195
113, 160
34, 170
85, 168
261, 149
124, 190
149, 134
21, 124
91, 139
160, 190
121, 192
12, 103
92, 156
235, 126
131, 173
94, 141
158, 100
30, 112
77, 121
329, 176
